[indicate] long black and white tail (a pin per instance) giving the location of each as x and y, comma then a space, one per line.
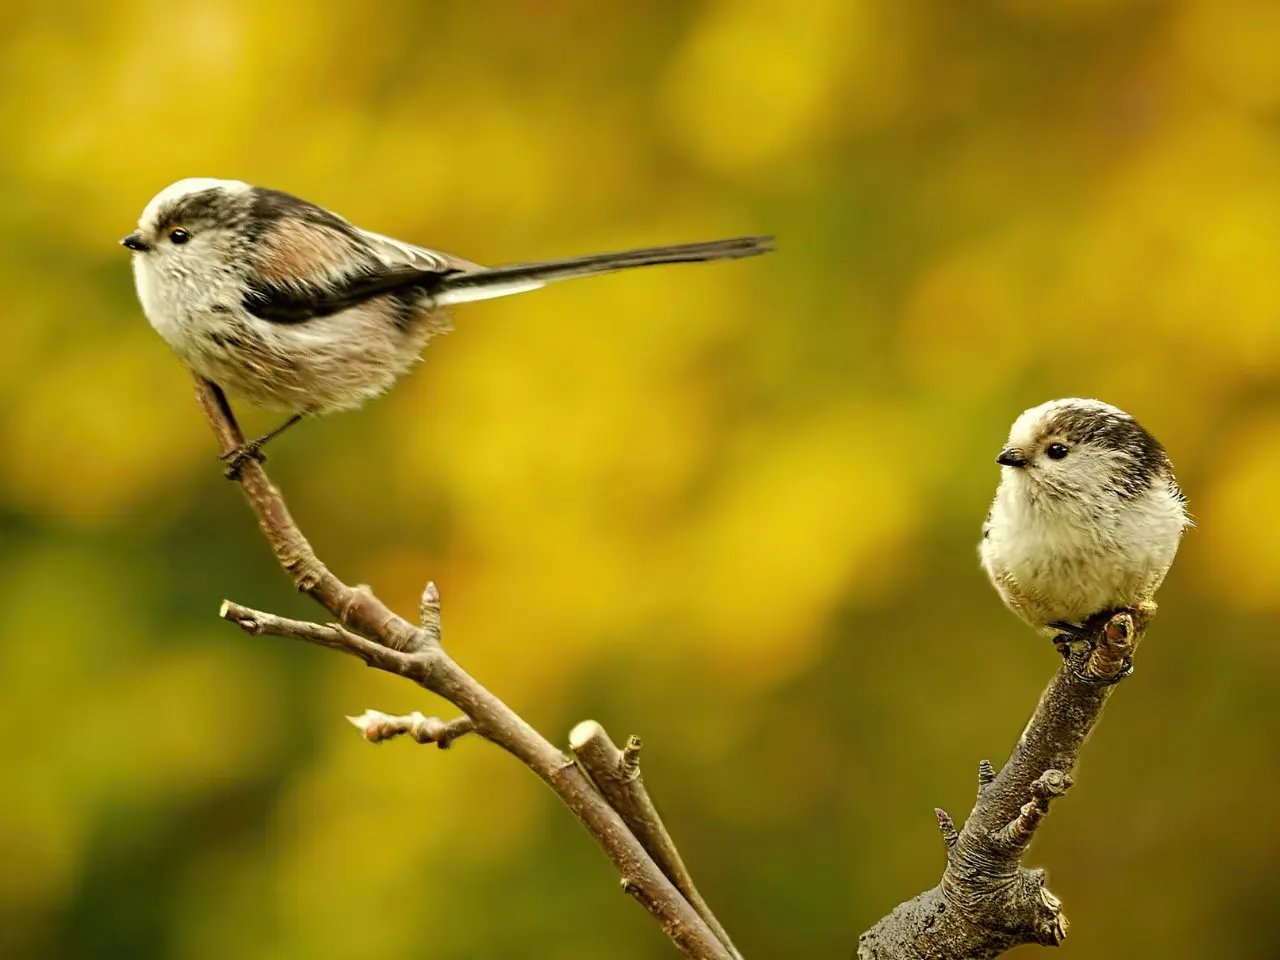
493, 282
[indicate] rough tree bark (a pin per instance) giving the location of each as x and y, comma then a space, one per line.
986, 902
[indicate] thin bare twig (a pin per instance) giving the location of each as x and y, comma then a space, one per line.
369, 629
330, 635
378, 726
987, 902
616, 774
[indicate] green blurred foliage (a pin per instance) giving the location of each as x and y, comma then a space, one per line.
732, 508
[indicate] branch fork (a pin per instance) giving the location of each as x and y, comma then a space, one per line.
601, 785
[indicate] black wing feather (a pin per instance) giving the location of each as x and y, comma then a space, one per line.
286, 303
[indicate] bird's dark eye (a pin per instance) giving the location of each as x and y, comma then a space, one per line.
1056, 451
179, 235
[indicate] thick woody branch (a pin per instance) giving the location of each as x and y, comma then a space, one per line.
370, 630
987, 902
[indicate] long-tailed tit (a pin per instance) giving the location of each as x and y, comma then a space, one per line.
293, 308
1087, 517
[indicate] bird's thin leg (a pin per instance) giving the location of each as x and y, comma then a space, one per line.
237, 458
1070, 629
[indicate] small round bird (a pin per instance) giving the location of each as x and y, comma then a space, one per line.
1087, 517
293, 308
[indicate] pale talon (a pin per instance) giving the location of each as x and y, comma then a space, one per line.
1125, 672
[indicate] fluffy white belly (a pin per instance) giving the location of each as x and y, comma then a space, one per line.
1067, 565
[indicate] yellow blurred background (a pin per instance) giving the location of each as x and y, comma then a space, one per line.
731, 508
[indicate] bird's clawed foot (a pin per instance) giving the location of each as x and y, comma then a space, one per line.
1100, 651
1081, 664
1071, 638
237, 458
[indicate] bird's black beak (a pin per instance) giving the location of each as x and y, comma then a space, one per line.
134, 241
1011, 457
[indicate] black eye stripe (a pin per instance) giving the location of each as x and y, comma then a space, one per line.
178, 235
